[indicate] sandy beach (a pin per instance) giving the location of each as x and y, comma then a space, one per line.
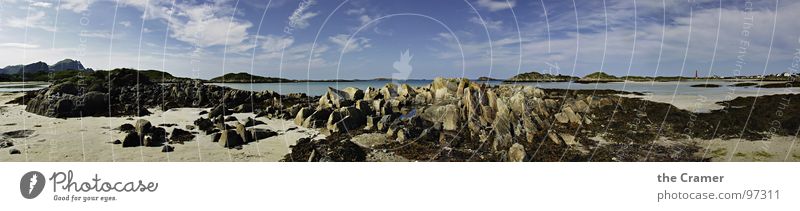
90, 138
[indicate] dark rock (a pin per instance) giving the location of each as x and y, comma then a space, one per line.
231, 118
5, 143
14, 151
230, 139
117, 142
167, 148
143, 127
219, 111
168, 125
204, 124
19, 133
247, 137
131, 140
216, 137
180, 136
157, 137
344, 119
325, 150
250, 122
318, 118
260, 133
126, 128
190, 127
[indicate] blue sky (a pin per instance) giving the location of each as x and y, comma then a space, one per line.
362, 39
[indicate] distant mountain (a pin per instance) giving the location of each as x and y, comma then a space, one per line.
67, 64
539, 77
11, 69
38, 67
248, 78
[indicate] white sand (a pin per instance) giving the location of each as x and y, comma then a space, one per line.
88, 138
705, 103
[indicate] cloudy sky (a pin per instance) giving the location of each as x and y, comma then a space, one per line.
323, 39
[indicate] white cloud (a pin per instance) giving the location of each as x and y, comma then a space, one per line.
42, 4
126, 24
490, 24
18, 45
97, 34
35, 20
300, 17
274, 43
496, 5
347, 44
77, 6
204, 28
358, 11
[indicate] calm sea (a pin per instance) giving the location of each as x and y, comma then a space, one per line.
656, 88
680, 94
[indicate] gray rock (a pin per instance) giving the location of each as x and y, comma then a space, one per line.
301, 115
449, 115
516, 153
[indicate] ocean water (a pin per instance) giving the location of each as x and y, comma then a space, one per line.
655, 88
19, 86
678, 93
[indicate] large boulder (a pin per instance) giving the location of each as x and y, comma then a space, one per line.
389, 91
143, 126
180, 136
131, 140
502, 126
449, 115
93, 104
318, 118
261, 133
63, 88
230, 139
302, 115
353, 93
204, 124
335, 98
346, 118
247, 137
